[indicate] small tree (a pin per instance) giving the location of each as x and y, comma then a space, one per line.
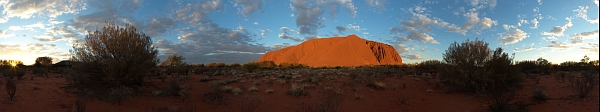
43, 62
173, 60
114, 55
11, 88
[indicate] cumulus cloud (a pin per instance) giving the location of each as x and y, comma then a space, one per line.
247, 7
535, 23
264, 32
487, 23
513, 37
578, 38
526, 49
582, 13
415, 28
195, 13
158, 26
558, 45
355, 27
286, 29
286, 36
340, 29
25, 9
280, 46
309, 16
559, 30
209, 41
591, 49
480, 4
4, 34
379, 4
415, 56
401, 48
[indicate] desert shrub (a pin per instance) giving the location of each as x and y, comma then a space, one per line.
253, 89
329, 101
297, 90
430, 66
249, 103
215, 96
79, 105
40, 71
502, 102
174, 61
402, 99
118, 94
583, 85
377, 85
11, 88
236, 91
473, 67
235, 65
252, 66
19, 73
114, 56
539, 94
43, 62
267, 64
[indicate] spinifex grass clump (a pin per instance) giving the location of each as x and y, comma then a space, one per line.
11, 88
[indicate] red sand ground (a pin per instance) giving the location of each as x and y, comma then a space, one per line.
336, 51
49, 97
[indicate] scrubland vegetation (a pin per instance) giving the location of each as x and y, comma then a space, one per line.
118, 63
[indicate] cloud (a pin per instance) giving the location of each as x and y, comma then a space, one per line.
3, 34
416, 56
379, 4
247, 7
308, 16
558, 45
582, 13
355, 27
415, 28
401, 48
195, 13
559, 30
535, 23
591, 49
487, 23
286, 36
596, 2
280, 46
264, 32
286, 29
209, 40
578, 38
340, 29
480, 4
539, 2
526, 49
513, 37
25, 9
158, 26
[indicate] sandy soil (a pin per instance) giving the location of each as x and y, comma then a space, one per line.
44, 94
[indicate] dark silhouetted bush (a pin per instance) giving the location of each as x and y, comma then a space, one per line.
473, 67
11, 88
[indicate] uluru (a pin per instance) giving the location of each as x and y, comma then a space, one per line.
336, 51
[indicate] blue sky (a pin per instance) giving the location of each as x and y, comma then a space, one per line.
231, 31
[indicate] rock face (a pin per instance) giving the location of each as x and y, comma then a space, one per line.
336, 51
